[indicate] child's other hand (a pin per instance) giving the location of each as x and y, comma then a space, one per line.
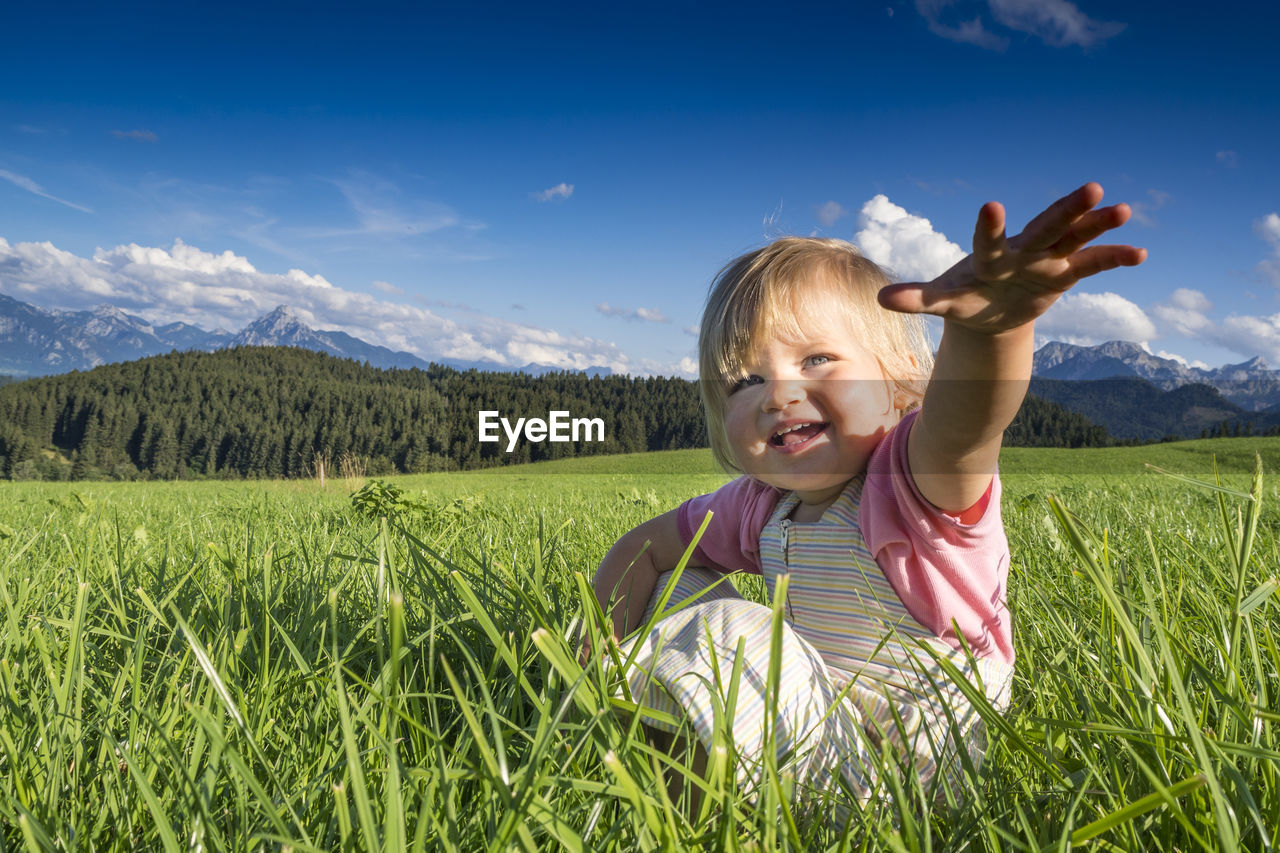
1006, 283
585, 651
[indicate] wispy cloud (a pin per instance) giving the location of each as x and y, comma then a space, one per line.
651, 315
830, 212
225, 290
559, 191
300, 220
969, 31
941, 189
381, 210
1268, 228
34, 188
32, 129
1228, 158
135, 135
1142, 210
902, 242
1057, 23
387, 288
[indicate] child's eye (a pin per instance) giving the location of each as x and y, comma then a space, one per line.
815, 360
744, 382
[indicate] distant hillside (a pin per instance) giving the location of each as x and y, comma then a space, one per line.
277, 411
1136, 409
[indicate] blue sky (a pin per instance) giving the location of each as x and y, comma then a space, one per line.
558, 182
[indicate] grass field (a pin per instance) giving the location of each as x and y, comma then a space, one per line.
236, 666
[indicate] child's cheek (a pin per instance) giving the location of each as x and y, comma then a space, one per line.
741, 427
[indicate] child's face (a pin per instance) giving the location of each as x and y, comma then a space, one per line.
806, 414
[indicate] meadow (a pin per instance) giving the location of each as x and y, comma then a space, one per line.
392, 665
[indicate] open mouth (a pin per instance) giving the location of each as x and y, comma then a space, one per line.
796, 434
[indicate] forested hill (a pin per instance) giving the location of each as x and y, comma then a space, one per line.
275, 411
1138, 410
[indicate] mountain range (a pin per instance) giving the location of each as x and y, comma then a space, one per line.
1118, 385
1252, 385
39, 342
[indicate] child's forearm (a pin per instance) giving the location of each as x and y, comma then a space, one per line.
625, 581
978, 383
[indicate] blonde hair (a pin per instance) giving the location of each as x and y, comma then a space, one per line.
768, 294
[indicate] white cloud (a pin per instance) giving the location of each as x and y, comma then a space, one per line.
31, 186
1057, 23
1268, 227
1184, 312
1093, 318
1250, 336
688, 367
1173, 356
225, 290
388, 288
652, 315
135, 135
693, 331
1192, 300
904, 243
1230, 159
560, 190
831, 211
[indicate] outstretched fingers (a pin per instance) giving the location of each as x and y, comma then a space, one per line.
908, 297
1055, 221
1096, 259
989, 234
1090, 227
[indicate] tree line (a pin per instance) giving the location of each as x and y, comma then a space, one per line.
258, 412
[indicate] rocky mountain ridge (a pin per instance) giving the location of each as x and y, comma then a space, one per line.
39, 342
1252, 385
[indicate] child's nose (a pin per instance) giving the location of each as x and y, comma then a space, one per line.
783, 392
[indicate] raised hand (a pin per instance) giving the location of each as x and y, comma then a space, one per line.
1007, 283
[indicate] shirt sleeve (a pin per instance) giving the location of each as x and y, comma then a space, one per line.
949, 574
731, 542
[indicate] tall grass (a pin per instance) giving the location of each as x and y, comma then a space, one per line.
253, 666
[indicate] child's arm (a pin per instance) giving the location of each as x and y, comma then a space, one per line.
627, 580
989, 302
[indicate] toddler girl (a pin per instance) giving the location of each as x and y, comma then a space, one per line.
869, 499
